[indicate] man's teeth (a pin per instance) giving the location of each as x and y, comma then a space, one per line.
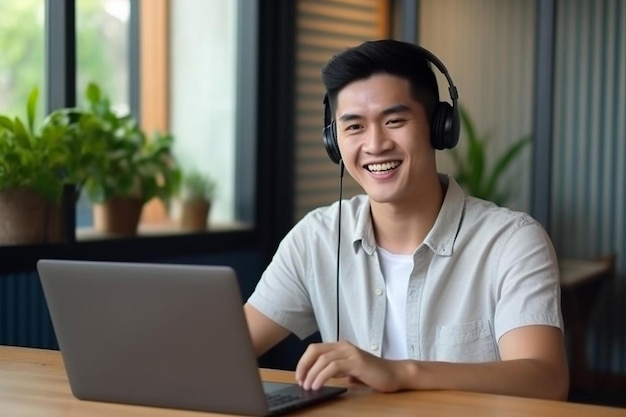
383, 167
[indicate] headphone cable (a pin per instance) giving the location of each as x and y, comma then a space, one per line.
341, 169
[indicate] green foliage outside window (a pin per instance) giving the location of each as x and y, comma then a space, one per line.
22, 54
102, 51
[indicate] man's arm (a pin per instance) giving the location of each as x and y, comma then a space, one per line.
265, 332
533, 365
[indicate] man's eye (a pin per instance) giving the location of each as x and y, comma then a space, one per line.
353, 127
395, 121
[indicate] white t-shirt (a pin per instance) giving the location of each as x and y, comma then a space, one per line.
396, 270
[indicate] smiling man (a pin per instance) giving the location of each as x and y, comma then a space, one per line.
437, 289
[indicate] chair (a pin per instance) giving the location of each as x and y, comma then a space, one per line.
581, 284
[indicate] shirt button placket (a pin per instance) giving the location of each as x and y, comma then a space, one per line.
374, 346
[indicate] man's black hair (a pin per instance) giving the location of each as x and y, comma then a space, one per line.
385, 56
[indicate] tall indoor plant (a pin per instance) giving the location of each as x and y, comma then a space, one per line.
473, 172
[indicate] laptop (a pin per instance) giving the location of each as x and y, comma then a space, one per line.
161, 335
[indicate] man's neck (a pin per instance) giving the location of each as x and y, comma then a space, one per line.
401, 228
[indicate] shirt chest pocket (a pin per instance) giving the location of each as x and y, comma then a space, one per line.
466, 342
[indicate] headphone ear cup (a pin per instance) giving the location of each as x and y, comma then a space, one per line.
329, 135
444, 127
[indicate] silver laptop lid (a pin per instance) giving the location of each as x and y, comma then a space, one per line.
154, 334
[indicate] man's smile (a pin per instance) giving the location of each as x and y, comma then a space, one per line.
382, 167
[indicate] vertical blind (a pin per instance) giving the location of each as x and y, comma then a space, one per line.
589, 177
324, 28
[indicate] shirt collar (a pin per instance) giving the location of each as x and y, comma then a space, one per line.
443, 234
364, 232
441, 237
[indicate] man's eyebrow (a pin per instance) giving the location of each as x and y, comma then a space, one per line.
346, 117
397, 108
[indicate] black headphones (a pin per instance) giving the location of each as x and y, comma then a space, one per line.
444, 126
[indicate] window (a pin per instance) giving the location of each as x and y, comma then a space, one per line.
102, 56
184, 67
102, 49
196, 79
206, 75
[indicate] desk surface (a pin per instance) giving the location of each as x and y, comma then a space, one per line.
577, 272
33, 383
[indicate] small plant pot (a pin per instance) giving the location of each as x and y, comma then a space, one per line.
194, 215
22, 217
118, 216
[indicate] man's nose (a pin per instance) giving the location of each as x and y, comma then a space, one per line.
376, 140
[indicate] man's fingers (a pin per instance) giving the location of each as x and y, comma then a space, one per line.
324, 361
308, 359
330, 364
331, 369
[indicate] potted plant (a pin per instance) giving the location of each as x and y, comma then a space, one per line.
130, 170
81, 145
31, 184
472, 173
196, 194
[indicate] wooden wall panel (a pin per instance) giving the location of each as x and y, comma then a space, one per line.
325, 28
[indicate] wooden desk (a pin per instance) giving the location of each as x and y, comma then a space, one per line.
33, 383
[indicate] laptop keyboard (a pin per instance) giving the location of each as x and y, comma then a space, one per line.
277, 399
282, 399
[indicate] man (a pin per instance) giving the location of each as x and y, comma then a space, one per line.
438, 290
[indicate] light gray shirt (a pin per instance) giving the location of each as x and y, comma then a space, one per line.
481, 271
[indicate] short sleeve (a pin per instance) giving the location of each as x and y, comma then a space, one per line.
281, 294
529, 289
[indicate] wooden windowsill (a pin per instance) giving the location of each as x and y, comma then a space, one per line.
166, 227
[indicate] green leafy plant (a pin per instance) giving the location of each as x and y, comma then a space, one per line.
472, 167
80, 141
197, 186
129, 163
30, 159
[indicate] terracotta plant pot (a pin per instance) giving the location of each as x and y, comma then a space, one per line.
60, 223
22, 217
118, 216
194, 215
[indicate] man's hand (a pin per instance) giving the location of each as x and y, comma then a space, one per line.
322, 361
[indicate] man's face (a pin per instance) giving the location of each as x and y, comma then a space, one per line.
384, 138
